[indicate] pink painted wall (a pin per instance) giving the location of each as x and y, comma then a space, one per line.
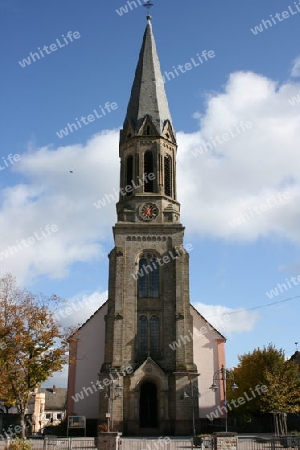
209, 355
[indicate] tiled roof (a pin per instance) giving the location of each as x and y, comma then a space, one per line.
55, 401
148, 95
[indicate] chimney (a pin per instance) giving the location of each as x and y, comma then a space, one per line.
54, 389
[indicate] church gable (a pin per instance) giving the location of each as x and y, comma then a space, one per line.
148, 128
168, 132
149, 370
202, 325
127, 133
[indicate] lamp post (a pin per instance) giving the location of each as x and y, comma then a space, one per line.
193, 393
111, 392
223, 375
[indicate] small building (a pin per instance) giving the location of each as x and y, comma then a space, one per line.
47, 407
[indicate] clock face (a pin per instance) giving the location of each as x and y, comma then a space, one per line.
148, 211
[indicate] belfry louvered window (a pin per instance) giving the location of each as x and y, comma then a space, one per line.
148, 168
129, 172
148, 277
168, 175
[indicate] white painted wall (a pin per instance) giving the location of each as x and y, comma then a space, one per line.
90, 356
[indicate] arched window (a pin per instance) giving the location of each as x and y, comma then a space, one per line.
148, 277
154, 335
154, 279
168, 175
129, 172
143, 335
142, 278
148, 168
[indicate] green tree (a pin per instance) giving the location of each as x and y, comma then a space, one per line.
283, 394
32, 344
268, 367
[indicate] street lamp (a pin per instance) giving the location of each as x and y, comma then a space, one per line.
223, 375
193, 393
111, 392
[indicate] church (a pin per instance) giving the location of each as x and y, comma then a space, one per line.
144, 362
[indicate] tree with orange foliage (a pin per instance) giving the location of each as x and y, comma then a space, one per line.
32, 345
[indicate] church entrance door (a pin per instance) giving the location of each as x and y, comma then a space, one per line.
148, 406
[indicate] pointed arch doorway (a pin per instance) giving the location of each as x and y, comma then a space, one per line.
148, 410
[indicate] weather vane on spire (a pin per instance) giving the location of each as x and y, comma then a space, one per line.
148, 5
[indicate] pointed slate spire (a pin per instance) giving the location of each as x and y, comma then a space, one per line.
148, 96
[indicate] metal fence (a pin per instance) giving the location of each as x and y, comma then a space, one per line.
57, 443
244, 443
156, 444
268, 442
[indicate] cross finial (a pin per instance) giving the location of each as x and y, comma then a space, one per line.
148, 5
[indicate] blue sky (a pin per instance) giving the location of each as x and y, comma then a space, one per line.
252, 79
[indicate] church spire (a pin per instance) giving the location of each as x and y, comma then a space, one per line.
148, 146
148, 5
148, 97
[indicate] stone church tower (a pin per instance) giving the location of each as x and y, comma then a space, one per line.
146, 343
148, 305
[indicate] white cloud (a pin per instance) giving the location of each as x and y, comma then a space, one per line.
227, 320
214, 188
54, 196
246, 170
78, 309
295, 71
